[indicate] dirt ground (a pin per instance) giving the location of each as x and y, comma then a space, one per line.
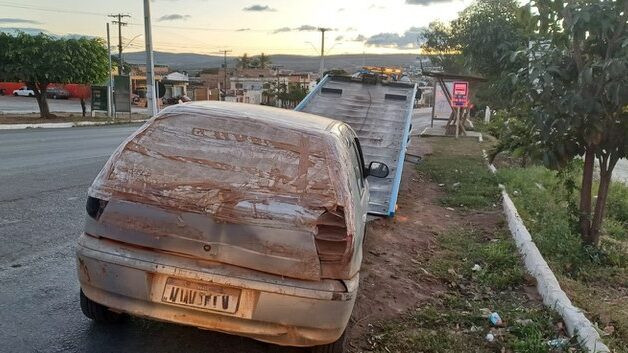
391, 280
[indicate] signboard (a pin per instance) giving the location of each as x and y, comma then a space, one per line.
99, 98
122, 93
460, 94
442, 108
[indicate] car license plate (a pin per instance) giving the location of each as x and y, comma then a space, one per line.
201, 296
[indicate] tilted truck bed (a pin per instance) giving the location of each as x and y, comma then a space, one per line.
381, 114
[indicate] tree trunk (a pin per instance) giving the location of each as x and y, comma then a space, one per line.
606, 173
585, 195
83, 106
40, 96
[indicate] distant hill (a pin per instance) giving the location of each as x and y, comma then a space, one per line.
350, 62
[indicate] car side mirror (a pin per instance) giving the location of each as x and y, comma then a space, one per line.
377, 170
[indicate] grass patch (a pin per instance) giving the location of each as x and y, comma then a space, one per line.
481, 270
457, 321
595, 278
457, 166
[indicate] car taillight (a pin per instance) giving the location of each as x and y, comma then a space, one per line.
95, 207
332, 240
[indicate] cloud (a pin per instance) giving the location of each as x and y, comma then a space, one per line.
303, 28
350, 29
376, 7
394, 40
341, 9
258, 8
19, 20
173, 17
306, 28
77, 36
242, 29
359, 38
426, 2
339, 38
282, 29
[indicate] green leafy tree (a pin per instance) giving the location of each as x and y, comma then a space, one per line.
41, 59
578, 94
442, 48
481, 41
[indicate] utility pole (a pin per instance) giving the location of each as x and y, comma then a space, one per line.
224, 52
322, 69
109, 80
120, 24
150, 65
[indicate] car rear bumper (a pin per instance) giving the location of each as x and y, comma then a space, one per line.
271, 309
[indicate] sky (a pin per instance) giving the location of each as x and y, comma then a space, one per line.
242, 26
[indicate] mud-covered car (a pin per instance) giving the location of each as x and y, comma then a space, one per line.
230, 217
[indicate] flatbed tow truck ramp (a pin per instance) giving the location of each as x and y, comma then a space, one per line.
381, 115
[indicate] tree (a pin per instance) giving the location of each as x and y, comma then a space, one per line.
41, 59
442, 48
481, 41
578, 92
262, 61
244, 62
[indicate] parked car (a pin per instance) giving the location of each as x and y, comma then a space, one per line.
57, 93
24, 92
237, 218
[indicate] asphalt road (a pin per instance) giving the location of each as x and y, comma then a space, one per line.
44, 175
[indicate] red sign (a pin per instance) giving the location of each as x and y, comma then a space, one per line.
460, 94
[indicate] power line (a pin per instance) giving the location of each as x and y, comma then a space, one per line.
49, 9
225, 64
120, 24
209, 29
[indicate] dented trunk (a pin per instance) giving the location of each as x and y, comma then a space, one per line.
250, 188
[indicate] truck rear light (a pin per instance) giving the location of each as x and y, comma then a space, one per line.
95, 207
332, 240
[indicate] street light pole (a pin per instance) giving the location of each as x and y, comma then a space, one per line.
109, 80
322, 69
150, 65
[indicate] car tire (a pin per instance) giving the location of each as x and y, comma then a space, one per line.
15, 94
54, 96
335, 347
98, 312
31, 95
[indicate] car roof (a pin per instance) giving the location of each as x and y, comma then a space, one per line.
291, 119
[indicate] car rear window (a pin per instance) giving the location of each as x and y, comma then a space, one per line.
229, 167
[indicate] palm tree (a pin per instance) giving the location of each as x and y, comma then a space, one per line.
263, 61
243, 62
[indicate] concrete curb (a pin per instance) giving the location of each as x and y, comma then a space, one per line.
64, 125
547, 284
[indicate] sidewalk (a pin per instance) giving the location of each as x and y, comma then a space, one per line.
67, 125
621, 171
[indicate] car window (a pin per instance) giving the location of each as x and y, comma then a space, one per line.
358, 168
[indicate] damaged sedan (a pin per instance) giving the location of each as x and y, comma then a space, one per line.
230, 217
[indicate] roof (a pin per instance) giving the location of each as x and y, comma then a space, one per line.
291, 119
451, 76
177, 76
241, 163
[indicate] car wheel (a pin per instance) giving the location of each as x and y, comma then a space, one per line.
335, 347
54, 96
30, 95
99, 312
15, 94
